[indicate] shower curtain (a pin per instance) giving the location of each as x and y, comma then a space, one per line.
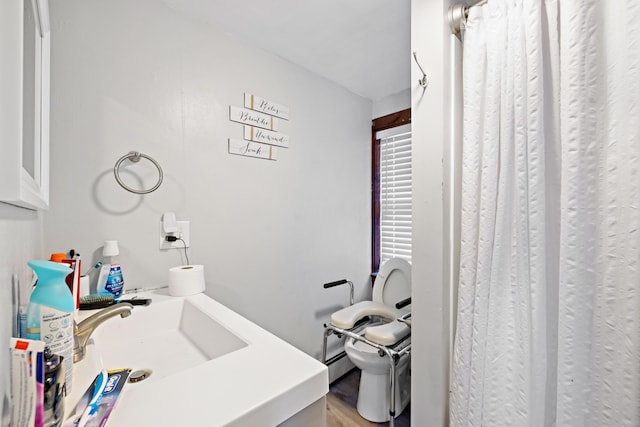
548, 323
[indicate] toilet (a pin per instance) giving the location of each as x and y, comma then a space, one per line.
393, 284
373, 391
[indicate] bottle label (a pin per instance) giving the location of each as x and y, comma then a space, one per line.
115, 282
56, 330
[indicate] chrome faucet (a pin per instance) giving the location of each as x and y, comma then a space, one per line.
83, 330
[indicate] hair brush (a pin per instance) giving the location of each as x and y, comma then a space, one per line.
95, 301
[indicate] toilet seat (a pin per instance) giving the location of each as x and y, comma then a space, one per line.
392, 284
349, 316
387, 334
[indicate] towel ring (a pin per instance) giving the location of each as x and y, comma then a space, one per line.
134, 156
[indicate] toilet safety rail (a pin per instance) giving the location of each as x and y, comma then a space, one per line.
405, 318
402, 304
329, 329
359, 325
394, 353
341, 282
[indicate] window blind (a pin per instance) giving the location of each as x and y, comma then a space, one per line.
395, 193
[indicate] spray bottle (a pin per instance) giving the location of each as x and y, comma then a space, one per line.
50, 312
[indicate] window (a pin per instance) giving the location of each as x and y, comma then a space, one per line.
391, 182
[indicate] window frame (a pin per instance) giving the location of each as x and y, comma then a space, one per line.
388, 121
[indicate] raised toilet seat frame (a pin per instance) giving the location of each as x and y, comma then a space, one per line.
394, 351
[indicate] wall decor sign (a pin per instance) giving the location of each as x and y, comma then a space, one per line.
266, 136
261, 120
253, 118
264, 105
252, 149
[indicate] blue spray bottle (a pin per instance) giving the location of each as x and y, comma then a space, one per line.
50, 312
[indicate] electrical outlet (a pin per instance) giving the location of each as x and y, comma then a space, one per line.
183, 233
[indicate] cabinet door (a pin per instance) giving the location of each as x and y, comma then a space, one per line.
24, 106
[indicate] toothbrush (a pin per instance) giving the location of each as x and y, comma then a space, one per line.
95, 267
98, 390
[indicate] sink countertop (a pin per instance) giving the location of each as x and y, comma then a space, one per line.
262, 384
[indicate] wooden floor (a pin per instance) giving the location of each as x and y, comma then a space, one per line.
341, 405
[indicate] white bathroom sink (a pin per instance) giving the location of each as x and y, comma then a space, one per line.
209, 366
164, 338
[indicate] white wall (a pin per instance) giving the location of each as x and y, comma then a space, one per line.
20, 241
20, 229
435, 136
392, 103
134, 75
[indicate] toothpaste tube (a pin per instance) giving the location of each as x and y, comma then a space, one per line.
27, 382
98, 401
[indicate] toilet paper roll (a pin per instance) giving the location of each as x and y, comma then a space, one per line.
85, 285
186, 280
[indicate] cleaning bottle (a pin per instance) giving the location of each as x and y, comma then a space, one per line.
50, 311
110, 280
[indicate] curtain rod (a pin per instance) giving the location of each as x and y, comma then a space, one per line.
458, 14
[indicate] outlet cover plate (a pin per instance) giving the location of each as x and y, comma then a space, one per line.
183, 233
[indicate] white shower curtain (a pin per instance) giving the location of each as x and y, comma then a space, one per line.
548, 326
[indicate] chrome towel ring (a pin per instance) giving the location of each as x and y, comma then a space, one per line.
134, 156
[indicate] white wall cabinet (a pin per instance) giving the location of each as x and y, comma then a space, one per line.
24, 103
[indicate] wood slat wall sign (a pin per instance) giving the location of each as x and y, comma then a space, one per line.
266, 136
252, 149
253, 118
264, 105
